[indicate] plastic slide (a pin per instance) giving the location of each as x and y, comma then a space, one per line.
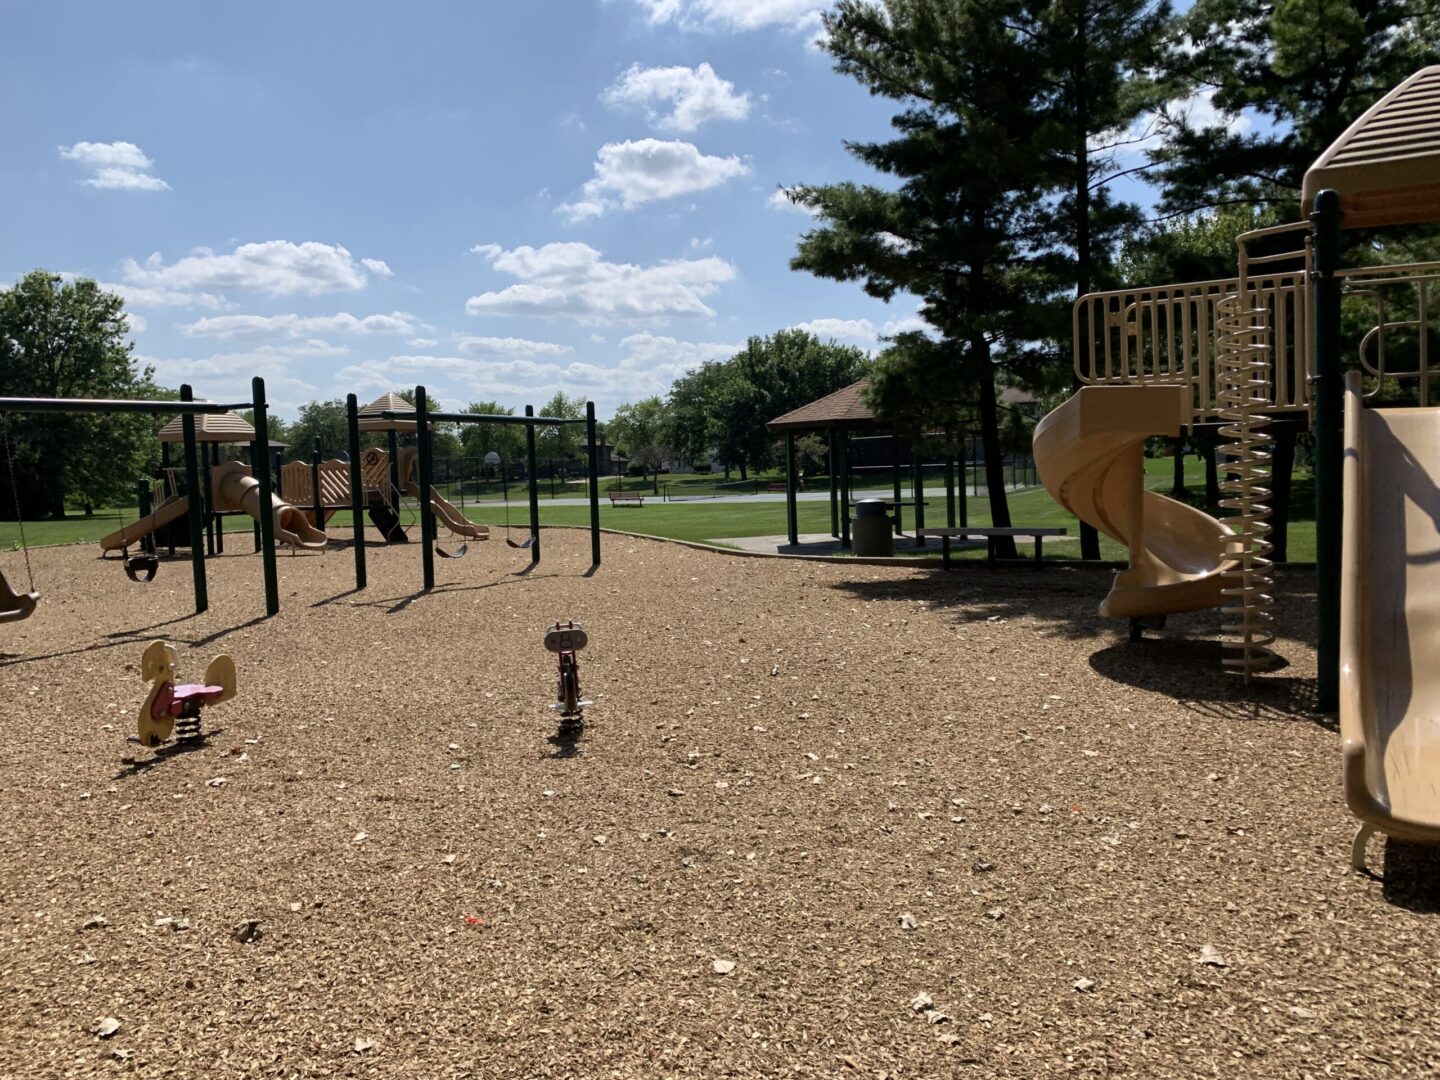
236, 488
1089, 454
449, 514
174, 507
1390, 621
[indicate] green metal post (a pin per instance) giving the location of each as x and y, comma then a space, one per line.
1329, 492
832, 465
197, 503
592, 453
393, 441
315, 488
142, 490
895, 479
357, 488
844, 447
949, 491
917, 485
534, 486
267, 512
792, 516
427, 516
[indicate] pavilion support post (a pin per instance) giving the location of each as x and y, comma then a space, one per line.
792, 518
917, 484
895, 481
949, 491
844, 447
831, 463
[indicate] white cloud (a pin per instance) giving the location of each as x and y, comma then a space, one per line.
226, 376
862, 331
510, 348
243, 327
659, 361
1150, 131
633, 173
137, 324
275, 267
378, 267
694, 96
115, 166
856, 331
778, 200
734, 14
422, 343
574, 281
138, 296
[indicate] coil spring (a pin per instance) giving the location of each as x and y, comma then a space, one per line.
1242, 364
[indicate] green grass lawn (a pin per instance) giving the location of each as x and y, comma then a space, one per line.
705, 520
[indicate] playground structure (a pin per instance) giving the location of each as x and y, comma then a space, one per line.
171, 709
331, 479
258, 492
233, 488
1263, 346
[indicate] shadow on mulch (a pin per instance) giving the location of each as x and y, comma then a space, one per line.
566, 743
136, 766
975, 591
1184, 669
1412, 876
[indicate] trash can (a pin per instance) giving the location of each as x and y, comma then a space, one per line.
871, 529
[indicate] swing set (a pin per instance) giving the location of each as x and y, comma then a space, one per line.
394, 414
142, 567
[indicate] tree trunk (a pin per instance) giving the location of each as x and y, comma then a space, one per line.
1177, 484
1282, 468
990, 443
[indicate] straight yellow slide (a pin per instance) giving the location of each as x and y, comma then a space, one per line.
1089, 453
1390, 620
174, 507
449, 515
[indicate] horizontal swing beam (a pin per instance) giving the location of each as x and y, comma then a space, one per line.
482, 418
116, 405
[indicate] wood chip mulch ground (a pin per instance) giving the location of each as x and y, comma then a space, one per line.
824, 820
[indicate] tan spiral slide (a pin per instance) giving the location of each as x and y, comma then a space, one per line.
236, 489
1390, 621
1089, 453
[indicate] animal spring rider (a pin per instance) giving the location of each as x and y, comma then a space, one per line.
566, 639
171, 709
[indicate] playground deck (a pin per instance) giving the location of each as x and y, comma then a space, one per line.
784, 760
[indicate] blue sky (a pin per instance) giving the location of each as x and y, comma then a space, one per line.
497, 200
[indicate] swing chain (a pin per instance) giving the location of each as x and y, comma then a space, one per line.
15, 492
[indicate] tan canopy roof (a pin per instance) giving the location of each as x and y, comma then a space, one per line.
842, 409
211, 428
371, 420
1386, 166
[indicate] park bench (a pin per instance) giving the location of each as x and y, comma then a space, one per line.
634, 498
990, 534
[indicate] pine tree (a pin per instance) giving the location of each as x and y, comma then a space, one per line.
955, 232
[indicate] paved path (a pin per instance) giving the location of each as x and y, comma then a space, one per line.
522, 500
